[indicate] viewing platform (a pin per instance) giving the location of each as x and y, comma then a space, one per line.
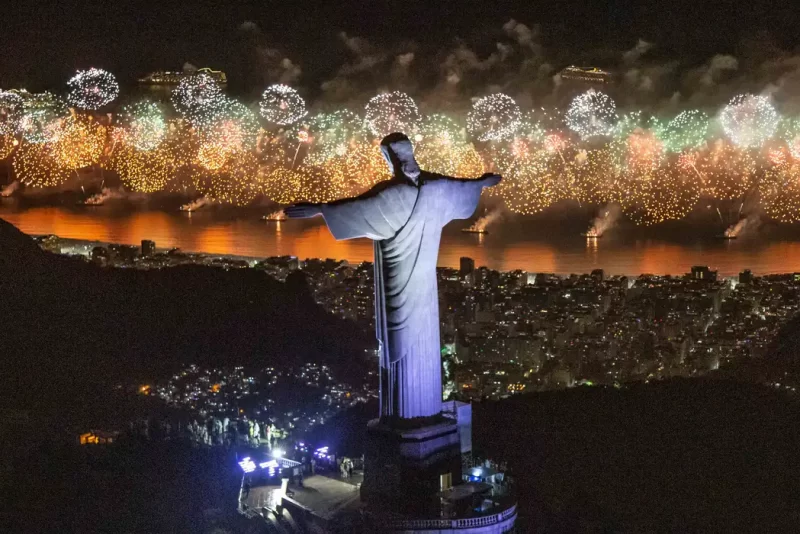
324, 501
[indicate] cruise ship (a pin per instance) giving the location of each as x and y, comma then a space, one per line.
165, 77
586, 74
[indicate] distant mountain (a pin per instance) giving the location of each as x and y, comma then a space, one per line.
67, 325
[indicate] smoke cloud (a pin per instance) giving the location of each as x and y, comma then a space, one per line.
270, 65
196, 204
605, 221
514, 60
9, 190
106, 194
746, 226
487, 219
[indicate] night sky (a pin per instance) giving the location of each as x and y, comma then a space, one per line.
43, 43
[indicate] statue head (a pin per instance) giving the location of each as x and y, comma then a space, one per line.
399, 154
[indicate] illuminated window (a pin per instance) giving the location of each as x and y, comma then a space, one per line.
445, 481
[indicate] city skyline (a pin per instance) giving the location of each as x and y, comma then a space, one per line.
698, 336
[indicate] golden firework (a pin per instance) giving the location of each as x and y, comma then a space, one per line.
35, 166
80, 142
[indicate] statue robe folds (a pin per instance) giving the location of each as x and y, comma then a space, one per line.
405, 221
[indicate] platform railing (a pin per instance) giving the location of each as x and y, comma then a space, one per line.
455, 524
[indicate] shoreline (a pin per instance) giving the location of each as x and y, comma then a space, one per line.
89, 244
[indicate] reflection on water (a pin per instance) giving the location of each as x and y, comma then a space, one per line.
246, 235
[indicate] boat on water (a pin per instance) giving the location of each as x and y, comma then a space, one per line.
275, 217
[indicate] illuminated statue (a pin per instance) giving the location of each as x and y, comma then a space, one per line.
404, 216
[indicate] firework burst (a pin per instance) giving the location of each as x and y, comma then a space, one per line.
144, 125
687, 131
35, 166
494, 117
92, 89
11, 113
40, 122
391, 112
749, 120
282, 105
592, 114
198, 99
80, 142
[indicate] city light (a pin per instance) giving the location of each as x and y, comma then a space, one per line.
247, 465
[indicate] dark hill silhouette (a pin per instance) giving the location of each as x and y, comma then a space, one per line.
686, 455
68, 325
780, 364
784, 353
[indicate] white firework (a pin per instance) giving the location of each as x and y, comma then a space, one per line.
92, 89
198, 98
391, 112
280, 104
749, 120
592, 114
494, 118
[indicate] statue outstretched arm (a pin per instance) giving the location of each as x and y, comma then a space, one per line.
377, 214
489, 179
459, 197
303, 210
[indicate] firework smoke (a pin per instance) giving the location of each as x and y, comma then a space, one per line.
607, 219
483, 223
9, 190
98, 199
744, 226
196, 204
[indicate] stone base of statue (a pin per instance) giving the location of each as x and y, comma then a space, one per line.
405, 467
415, 482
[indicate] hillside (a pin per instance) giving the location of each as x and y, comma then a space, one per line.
678, 456
68, 326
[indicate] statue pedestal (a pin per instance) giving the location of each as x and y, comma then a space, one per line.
405, 469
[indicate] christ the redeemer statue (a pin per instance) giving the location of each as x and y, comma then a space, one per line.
404, 216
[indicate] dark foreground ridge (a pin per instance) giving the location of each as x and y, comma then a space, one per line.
68, 326
685, 455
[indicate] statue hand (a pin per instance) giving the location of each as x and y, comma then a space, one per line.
303, 210
490, 179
